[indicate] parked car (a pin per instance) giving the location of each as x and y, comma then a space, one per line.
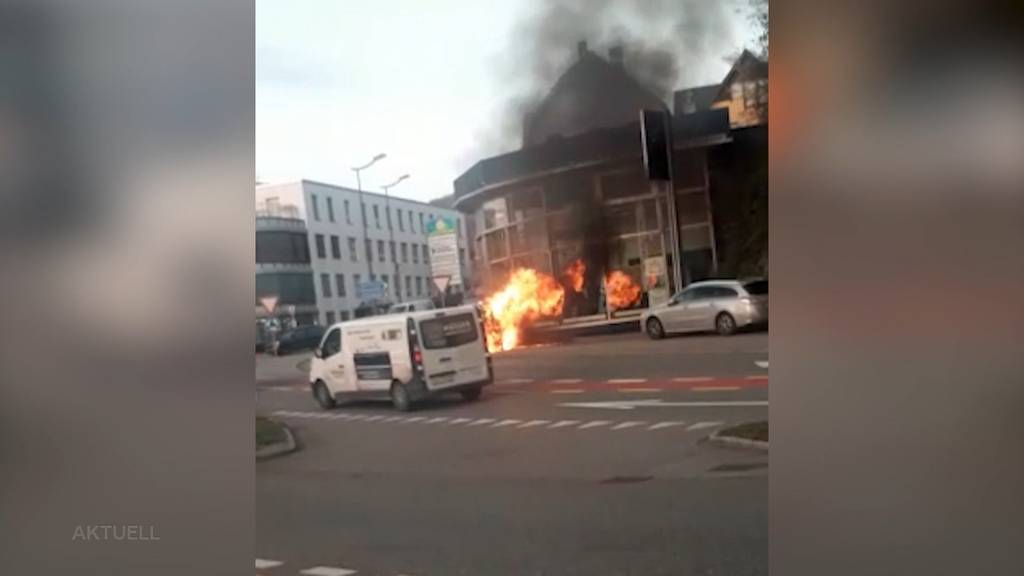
411, 306
720, 305
301, 338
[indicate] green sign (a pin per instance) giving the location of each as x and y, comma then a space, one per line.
442, 225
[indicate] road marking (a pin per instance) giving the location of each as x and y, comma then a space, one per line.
628, 424
714, 388
703, 425
568, 391
438, 419
393, 419
327, 571
668, 424
460, 420
267, 564
563, 423
375, 418
639, 390
626, 380
517, 381
594, 424
339, 417
693, 379
357, 416
568, 380
761, 363
481, 421
657, 402
414, 419
754, 377
506, 422
533, 423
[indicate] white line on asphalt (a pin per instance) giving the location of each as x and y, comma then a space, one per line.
374, 418
481, 421
267, 564
668, 424
693, 379
517, 381
506, 422
761, 363
714, 388
321, 416
568, 380
594, 424
393, 419
639, 390
658, 403
761, 377
702, 425
628, 424
338, 417
533, 423
414, 419
357, 416
438, 419
626, 380
562, 423
568, 391
460, 420
327, 571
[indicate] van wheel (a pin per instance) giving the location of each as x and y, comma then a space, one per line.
725, 324
323, 396
654, 329
473, 394
400, 397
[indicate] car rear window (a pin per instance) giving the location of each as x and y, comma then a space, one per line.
756, 288
449, 331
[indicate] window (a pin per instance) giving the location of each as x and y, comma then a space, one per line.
330, 318
348, 214
369, 249
391, 249
376, 216
316, 207
335, 247
401, 223
321, 250
411, 228
373, 277
339, 281
405, 252
408, 285
356, 280
387, 212
332, 343
419, 285
723, 292
415, 253
384, 279
421, 222
756, 288
448, 332
330, 209
344, 315
353, 255
281, 247
426, 255
325, 285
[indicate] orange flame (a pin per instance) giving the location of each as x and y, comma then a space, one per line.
574, 274
620, 290
527, 296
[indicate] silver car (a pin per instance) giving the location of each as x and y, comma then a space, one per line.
719, 305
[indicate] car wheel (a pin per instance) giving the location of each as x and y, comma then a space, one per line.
725, 324
400, 397
323, 396
472, 394
654, 329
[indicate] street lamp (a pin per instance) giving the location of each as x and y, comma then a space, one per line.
391, 232
362, 206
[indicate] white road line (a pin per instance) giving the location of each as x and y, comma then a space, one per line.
460, 420
693, 379
761, 363
568, 391
338, 417
563, 423
594, 424
533, 423
481, 421
438, 419
568, 380
267, 564
374, 418
517, 381
755, 377
703, 425
358, 417
283, 413
714, 388
626, 380
321, 416
639, 390
414, 419
628, 424
506, 422
667, 424
327, 571
393, 418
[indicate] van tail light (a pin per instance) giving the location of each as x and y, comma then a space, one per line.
414, 346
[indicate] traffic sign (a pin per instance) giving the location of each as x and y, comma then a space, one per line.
441, 282
269, 303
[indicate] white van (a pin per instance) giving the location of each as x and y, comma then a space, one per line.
413, 306
405, 357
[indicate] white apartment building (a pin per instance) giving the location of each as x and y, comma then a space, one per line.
355, 237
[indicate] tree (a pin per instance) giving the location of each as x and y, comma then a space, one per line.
759, 17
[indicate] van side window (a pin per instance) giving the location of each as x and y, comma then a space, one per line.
332, 344
392, 334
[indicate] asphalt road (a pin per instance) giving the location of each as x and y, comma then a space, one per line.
584, 458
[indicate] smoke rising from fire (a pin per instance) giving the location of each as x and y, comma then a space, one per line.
667, 44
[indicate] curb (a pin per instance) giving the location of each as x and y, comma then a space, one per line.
279, 448
731, 442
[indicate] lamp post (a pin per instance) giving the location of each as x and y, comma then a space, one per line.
362, 206
391, 233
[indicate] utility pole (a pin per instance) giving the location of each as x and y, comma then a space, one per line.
391, 233
362, 207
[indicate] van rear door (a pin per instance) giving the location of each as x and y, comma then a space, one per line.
453, 349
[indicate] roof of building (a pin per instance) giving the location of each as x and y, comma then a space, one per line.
354, 191
747, 61
702, 96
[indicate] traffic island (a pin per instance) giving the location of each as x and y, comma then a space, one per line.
272, 438
750, 435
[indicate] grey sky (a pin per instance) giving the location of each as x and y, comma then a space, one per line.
338, 81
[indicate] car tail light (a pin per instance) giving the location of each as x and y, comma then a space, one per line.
414, 347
